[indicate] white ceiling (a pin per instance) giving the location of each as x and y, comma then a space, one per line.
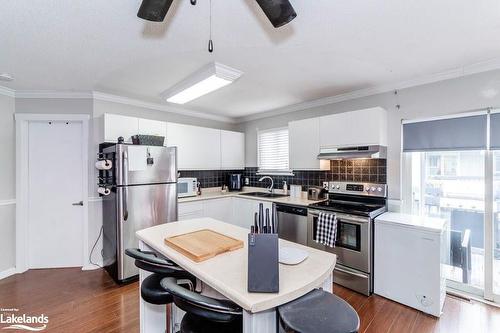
332, 47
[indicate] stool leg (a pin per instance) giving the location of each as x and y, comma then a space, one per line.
168, 310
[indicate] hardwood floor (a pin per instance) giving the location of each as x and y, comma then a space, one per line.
89, 301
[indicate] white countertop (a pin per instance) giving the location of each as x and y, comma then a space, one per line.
426, 223
215, 193
227, 273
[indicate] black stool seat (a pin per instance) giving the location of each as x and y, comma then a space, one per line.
204, 314
152, 292
318, 312
194, 324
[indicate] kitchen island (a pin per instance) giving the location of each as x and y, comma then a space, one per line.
225, 276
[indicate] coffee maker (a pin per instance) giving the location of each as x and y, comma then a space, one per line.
235, 182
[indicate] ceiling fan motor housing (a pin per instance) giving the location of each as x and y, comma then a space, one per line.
154, 10
279, 12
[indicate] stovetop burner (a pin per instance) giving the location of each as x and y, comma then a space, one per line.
355, 198
349, 208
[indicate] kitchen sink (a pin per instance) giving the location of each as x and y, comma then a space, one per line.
264, 195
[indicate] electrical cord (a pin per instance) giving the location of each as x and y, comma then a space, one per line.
93, 248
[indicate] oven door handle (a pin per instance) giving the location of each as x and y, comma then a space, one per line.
351, 272
343, 218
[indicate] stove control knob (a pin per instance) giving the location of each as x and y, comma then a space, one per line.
338, 187
379, 189
373, 189
367, 189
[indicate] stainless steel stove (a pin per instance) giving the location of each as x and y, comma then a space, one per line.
355, 205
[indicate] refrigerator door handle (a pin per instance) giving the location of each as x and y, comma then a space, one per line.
125, 203
125, 182
125, 168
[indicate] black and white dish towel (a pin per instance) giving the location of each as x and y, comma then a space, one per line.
326, 231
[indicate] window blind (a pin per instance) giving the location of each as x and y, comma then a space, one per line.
273, 150
462, 133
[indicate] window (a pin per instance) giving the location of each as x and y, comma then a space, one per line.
451, 186
273, 151
496, 164
446, 178
434, 165
442, 164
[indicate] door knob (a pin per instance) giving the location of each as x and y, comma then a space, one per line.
80, 203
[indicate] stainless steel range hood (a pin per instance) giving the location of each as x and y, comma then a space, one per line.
341, 153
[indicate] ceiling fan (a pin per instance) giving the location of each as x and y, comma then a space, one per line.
279, 12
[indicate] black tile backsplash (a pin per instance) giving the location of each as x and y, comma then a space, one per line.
358, 170
210, 178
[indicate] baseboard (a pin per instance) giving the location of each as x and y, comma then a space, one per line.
8, 272
90, 267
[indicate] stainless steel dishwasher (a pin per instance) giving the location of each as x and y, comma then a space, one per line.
292, 223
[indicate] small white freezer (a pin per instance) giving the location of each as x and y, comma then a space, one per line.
409, 255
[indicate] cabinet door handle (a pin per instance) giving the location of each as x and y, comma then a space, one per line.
79, 203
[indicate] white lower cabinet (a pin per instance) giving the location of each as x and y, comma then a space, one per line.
245, 209
237, 211
190, 210
219, 209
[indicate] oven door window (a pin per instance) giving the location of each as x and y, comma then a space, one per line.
348, 235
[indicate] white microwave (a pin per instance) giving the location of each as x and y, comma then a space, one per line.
187, 187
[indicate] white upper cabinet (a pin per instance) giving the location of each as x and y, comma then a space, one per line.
152, 127
355, 128
232, 146
198, 147
117, 125
304, 145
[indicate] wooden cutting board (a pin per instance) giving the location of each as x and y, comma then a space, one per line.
203, 244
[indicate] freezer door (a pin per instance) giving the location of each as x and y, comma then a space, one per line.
141, 207
137, 165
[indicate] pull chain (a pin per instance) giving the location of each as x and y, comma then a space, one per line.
210, 42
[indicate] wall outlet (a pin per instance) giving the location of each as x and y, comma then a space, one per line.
247, 181
325, 185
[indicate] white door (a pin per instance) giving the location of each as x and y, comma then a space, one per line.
55, 224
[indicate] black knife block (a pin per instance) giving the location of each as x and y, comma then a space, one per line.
263, 263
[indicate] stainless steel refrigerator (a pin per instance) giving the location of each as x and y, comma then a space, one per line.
143, 183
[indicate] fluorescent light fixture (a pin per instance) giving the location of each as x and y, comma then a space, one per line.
210, 78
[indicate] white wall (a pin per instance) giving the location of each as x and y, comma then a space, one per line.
440, 98
7, 185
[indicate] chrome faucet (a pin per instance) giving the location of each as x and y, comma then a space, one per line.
270, 188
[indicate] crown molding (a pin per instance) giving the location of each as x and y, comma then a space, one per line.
480, 67
53, 94
7, 91
160, 107
97, 95
476, 68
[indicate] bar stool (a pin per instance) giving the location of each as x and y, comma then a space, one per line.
204, 314
318, 312
151, 290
